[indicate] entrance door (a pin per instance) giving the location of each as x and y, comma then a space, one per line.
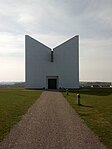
52, 83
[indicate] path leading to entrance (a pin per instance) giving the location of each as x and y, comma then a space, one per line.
51, 124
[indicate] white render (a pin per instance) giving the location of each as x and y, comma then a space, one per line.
64, 68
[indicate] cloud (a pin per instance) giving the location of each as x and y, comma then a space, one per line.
52, 22
11, 70
11, 43
95, 59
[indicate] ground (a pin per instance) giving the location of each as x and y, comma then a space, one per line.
51, 123
96, 110
14, 102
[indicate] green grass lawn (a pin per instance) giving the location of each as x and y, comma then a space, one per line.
96, 110
13, 104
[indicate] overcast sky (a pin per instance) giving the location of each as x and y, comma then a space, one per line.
53, 22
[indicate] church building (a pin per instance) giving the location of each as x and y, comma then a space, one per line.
51, 69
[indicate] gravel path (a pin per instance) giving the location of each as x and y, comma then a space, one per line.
51, 123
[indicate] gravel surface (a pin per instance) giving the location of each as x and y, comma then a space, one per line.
51, 123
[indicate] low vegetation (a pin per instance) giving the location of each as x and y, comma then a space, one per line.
95, 110
14, 103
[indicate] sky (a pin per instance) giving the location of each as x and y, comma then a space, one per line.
52, 22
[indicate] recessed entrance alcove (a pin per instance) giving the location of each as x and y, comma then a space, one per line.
52, 82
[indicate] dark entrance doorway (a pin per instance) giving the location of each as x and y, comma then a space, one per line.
52, 83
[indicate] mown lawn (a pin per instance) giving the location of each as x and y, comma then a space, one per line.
14, 102
96, 110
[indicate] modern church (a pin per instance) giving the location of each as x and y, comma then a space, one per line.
51, 69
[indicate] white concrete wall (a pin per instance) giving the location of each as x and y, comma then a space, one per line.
37, 60
66, 59
39, 66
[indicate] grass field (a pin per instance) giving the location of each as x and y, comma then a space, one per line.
13, 104
96, 110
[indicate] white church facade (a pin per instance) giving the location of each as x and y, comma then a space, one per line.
51, 69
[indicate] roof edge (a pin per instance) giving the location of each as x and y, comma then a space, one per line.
76, 36
36, 41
